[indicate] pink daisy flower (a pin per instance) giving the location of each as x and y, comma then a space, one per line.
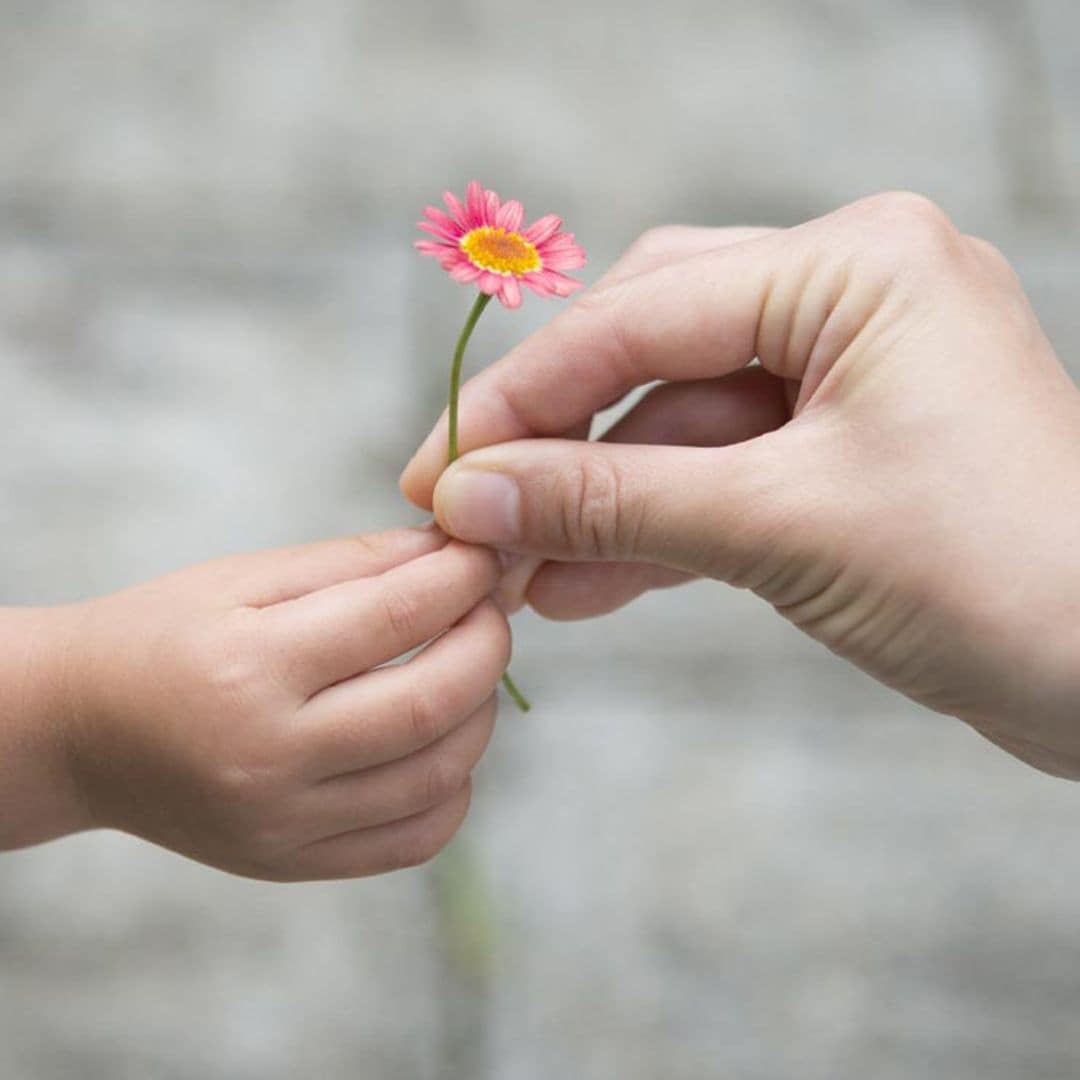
482, 242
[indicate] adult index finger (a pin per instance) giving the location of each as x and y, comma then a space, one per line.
697, 318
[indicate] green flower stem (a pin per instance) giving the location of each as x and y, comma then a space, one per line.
511, 687
482, 301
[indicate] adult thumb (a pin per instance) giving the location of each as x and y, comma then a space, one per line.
707, 511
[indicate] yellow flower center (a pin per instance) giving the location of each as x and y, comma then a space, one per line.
500, 251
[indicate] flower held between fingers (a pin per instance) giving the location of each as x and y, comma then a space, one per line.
484, 242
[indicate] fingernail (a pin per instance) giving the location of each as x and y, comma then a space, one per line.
411, 463
507, 601
430, 529
414, 462
483, 507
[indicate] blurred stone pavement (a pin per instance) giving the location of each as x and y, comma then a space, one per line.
712, 849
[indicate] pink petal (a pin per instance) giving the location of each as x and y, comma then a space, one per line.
465, 272
543, 229
562, 239
450, 257
572, 259
558, 251
511, 293
562, 284
510, 216
476, 204
561, 252
442, 221
439, 230
555, 283
439, 216
457, 211
537, 282
489, 283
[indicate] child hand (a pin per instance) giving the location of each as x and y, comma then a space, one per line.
236, 712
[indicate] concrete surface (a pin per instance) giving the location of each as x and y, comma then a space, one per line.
711, 850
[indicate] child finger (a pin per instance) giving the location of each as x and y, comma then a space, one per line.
397, 710
395, 846
336, 633
399, 789
263, 578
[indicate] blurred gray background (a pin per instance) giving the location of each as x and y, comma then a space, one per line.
712, 849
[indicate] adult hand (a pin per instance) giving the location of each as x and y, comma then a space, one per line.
900, 477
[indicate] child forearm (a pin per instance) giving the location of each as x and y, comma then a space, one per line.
38, 797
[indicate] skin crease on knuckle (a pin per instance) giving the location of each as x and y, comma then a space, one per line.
451, 762
433, 706
906, 245
207, 783
389, 792
881, 251
276, 853
427, 714
917, 244
361, 853
431, 832
592, 510
228, 658
470, 571
400, 613
389, 713
444, 778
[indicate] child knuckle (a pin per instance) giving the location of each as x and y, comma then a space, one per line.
443, 779
267, 844
400, 613
250, 775
365, 546
227, 660
275, 870
426, 712
417, 847
264, 843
